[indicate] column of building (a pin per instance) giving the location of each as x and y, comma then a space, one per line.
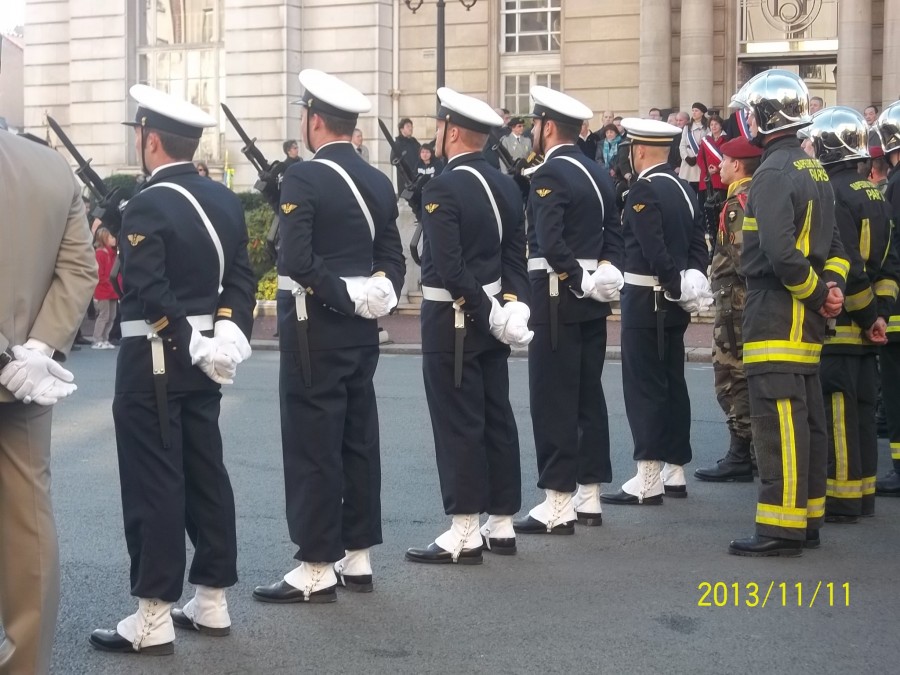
854, 58
655, 65
890, 78
696, 53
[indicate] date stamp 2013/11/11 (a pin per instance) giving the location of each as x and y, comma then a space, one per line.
774, 593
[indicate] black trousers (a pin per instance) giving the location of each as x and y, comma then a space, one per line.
332, 462
568, 408
787, 418
656, 395
889, 363
849, 386
167, 491
476, 441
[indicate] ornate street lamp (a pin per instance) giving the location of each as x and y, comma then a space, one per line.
414, 5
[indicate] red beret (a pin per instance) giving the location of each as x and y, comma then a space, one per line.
875, 151
740, 148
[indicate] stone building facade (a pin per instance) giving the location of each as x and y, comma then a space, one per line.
624, 55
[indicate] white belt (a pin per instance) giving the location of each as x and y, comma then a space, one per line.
138, 328
542, 264
640, 279
442, 295
286, 283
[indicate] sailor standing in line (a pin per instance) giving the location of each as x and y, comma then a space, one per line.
473, 257
187, 313
665, 251
340, 267
575, 246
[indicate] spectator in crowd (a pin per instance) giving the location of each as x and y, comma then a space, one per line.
671, 118
680, 121
357, 141
587, 140
202, 169
406, 150
654, 114
607, 118
871, 115
427, 167
516, 143
291, 151
816, 103
691, 137
105, 298
504, 114
608, 151
708, 160
617, 120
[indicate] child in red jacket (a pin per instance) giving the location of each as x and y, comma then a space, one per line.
105, 298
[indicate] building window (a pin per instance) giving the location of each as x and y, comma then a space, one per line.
516, 87
180, 51
531, 26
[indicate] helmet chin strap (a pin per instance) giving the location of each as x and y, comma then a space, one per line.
306, 118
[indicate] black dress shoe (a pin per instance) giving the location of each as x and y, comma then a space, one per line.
81, 340
110, 641
889, 486
435, 555
589, 519
182, 620
726, 472
499, 545
623, 498
281, 592
675, 491
812, 539
840, 518
357, 583
529, 525
759, 546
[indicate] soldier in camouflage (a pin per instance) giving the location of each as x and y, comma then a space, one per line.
740, 160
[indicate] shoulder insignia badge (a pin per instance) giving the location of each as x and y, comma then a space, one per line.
431, 208
638, 207
732, 215
135, 239
543, 192
287, 208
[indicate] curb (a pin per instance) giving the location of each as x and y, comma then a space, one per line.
691, 354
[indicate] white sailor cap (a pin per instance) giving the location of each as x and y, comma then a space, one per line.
650, 132
327, 94
164, 112
555, 105
466, 111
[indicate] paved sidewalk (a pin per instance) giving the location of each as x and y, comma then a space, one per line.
405, 338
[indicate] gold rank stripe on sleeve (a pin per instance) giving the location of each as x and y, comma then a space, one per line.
887, 288
765, 351
805, 289
839, 266
224, 312
509, 297
858, 301
160, 325
846, 335
749, 224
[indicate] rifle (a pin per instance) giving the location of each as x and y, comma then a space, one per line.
269, 175
413, 187
110, 202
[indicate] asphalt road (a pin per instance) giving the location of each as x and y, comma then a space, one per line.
622, 598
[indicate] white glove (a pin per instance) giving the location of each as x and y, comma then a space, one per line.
689, 294
203, 353
356, 289
700, 283
588, 289
380, 296
228, 333
608, 281
498, 318
34, 377
225, 362
516, 332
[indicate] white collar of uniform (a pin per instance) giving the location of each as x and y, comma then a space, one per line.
462, 154
648, 170
166, 166
332, 143
554, 149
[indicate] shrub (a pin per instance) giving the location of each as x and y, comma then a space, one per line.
251, 200
267, 286
126, 181
259, 220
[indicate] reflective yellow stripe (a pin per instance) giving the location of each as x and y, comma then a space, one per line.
868, 485
798, 316
803, 237
804, 290
895, 450
887, 288
788, 453
779, 516
858, 301
815, 508
839, 266
844, 489
839, 435
893, 324
781, 350
865, 240
846, 335
749, 224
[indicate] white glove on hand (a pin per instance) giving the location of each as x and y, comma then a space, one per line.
689, 295
228, 333
701, 285
380, 296
356, 289
608, 281
498, 318
225, 362
588, 289
34, 377
516, 333
203, 353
